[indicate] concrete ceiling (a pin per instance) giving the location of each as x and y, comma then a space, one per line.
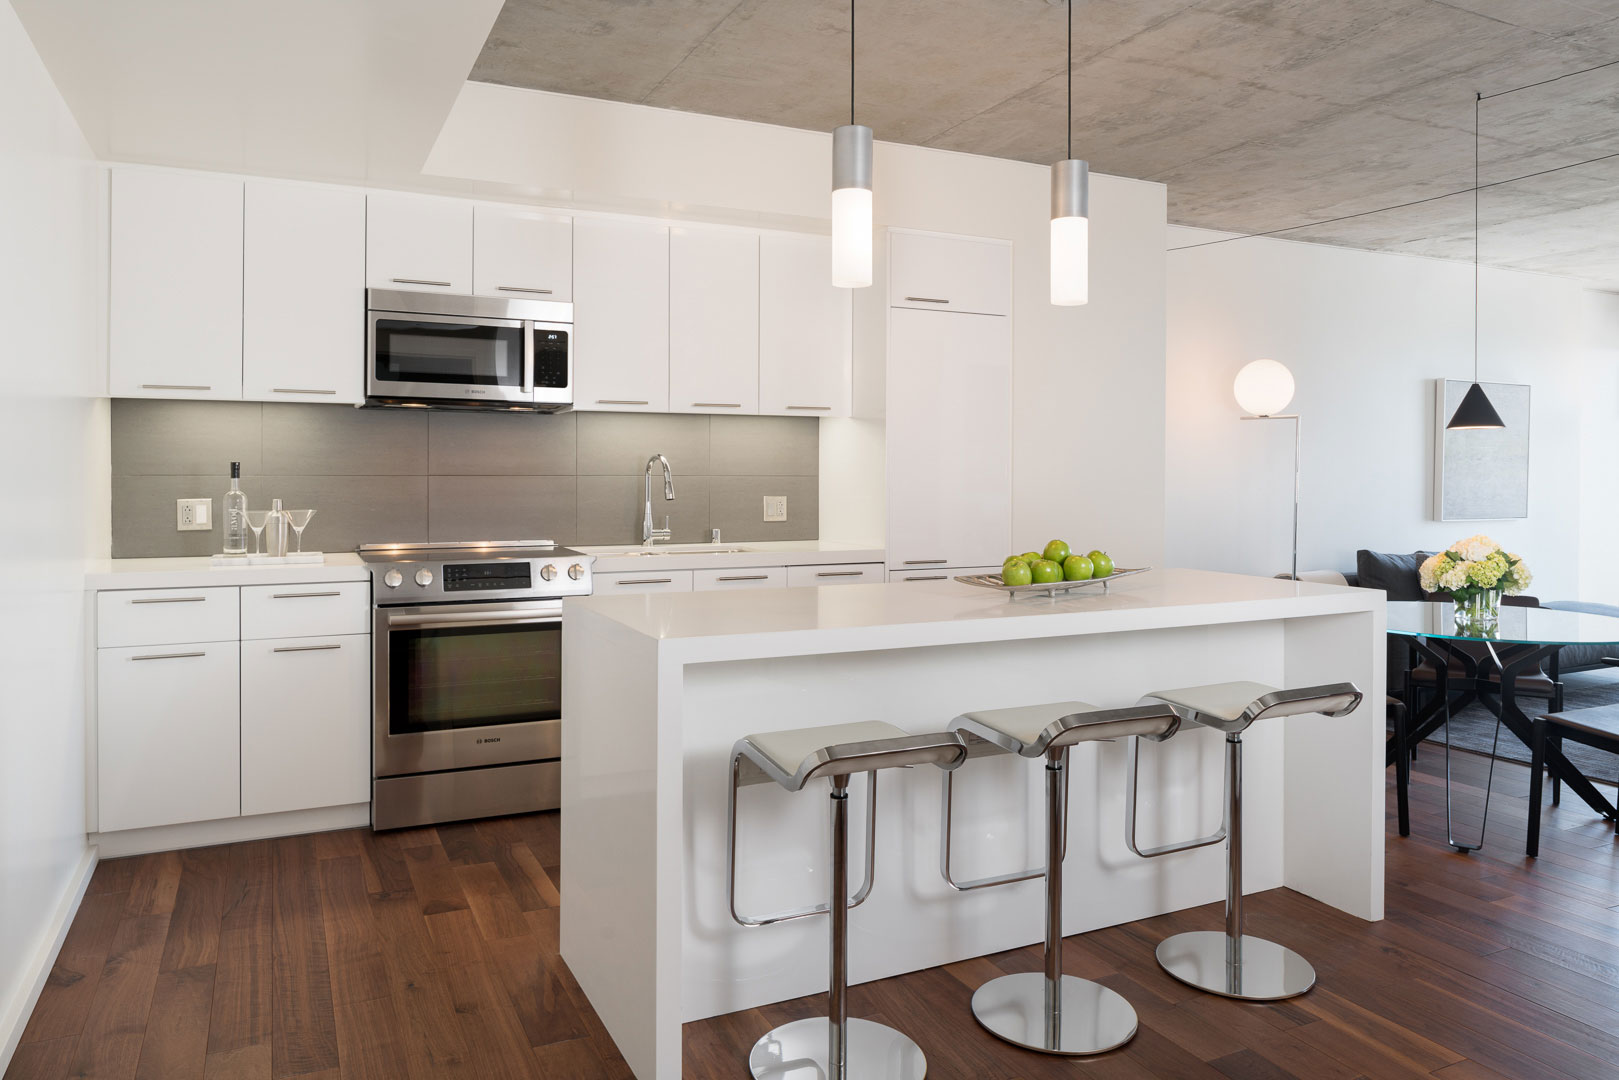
1258, 114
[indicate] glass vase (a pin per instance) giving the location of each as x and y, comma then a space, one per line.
1479, 610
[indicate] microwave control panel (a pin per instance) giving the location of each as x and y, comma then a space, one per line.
550, 358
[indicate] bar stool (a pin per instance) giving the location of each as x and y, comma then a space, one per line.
1049, 1011
838, 1047
1233, 964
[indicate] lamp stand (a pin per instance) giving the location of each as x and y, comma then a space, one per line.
1298, 453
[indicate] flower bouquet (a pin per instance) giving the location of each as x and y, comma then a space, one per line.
1473, 574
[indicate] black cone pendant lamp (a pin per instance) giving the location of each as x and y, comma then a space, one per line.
1475, 413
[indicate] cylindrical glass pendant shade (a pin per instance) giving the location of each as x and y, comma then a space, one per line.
1070, 233
851, 206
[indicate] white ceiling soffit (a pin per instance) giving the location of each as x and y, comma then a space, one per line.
351, 90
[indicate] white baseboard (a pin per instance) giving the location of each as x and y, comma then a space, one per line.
15, 1018
229, 830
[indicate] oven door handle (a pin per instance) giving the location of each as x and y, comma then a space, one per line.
484, 618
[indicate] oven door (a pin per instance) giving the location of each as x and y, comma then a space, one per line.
446, 357
463, 685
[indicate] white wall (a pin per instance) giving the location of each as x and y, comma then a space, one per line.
53, 486
1089, 382
1365, 335
1599, 444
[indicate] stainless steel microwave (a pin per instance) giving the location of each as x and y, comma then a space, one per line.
434, 351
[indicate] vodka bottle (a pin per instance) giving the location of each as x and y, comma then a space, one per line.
275, 531
235, 513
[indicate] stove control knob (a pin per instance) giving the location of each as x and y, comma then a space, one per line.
424, 578
548, 572
393, 579
576, 571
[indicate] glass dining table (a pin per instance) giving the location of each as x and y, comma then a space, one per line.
1470, 663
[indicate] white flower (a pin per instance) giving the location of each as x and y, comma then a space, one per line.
1428, 572
1475, 548
1518, 578
1454, 576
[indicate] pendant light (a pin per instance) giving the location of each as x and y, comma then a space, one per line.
851, 193
1475, 413
1070, 211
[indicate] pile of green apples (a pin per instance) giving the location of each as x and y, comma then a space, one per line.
1057, 563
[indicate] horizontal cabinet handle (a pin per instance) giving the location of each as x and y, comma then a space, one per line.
647, 581
171, 386
841, 573
169, 656
744, 577
812, 408
169, 600
926, 300
519, 288
619, 401
306, 648
923, 562
420, 281
716, 404
279, 390
300, 595
926, 577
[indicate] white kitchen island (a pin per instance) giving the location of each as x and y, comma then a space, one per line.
658, 688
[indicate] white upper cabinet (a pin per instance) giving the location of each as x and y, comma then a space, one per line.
949, 274
303, 333
713, 320
949, 432
518, 253
804, 329
621, 315
418, 242
175, 285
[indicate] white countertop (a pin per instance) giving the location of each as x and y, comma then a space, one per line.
193, 573
614, 559
786, 622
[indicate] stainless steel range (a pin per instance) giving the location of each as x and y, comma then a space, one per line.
467, 705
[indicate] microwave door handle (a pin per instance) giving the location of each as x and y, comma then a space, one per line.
528, 358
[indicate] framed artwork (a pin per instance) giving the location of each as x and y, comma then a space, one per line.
1481, 475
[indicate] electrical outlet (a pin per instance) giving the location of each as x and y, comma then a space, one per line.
775, 508
194, 515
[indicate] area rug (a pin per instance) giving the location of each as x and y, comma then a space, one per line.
1473, 728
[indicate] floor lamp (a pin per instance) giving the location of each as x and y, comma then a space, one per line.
1264, 388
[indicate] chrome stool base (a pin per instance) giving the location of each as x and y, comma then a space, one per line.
799, 1050
1266, 972
1091, 1018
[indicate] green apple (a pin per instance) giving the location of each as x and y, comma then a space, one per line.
1103, 563
1012, 559
1077, 568
1058, 550
1016, 572
1031, 557
1045, 572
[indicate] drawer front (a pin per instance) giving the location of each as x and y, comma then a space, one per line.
943, 573
639, 581
838, 574
752, 577
166, 616
313, 610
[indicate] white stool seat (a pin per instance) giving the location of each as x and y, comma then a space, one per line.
1232, 706
790, 750
1225, 701
1033, 730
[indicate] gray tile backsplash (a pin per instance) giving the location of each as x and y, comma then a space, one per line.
403, 474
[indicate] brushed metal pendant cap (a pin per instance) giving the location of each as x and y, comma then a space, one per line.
851, 157
1070, 188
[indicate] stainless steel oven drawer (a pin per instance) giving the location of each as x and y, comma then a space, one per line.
401, 802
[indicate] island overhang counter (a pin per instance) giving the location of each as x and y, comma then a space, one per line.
657, 689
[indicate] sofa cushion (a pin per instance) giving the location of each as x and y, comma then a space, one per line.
1396, 575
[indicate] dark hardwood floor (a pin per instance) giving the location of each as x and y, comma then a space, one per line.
433, 953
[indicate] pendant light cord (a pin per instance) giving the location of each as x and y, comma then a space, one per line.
1477, 98
1070, 129
851, 62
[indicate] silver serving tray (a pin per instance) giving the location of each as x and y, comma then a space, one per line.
1049, 588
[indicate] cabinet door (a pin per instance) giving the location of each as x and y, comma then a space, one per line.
175, 285
521, 253
632, 582
804, 329
949, 274
751, 577
303, 334
713, 320
834, 574
418, 242
167, 734
306, 723
949, 439
621, 316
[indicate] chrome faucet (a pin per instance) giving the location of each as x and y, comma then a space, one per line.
649, 535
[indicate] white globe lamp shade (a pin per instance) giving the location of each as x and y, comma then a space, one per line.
1263, 387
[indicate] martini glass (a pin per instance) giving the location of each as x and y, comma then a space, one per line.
299, 519
256, 520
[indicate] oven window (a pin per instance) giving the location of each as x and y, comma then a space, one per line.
464, 354
445, 678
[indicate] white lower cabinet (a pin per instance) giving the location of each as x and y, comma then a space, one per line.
941, 573
751, 577
836, 574
305, 739
167, 747
629, 582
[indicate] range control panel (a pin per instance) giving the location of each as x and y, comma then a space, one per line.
500, 576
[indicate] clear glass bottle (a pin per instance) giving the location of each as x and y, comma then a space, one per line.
235, 513
275, 531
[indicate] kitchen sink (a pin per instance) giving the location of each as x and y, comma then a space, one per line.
678, 549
